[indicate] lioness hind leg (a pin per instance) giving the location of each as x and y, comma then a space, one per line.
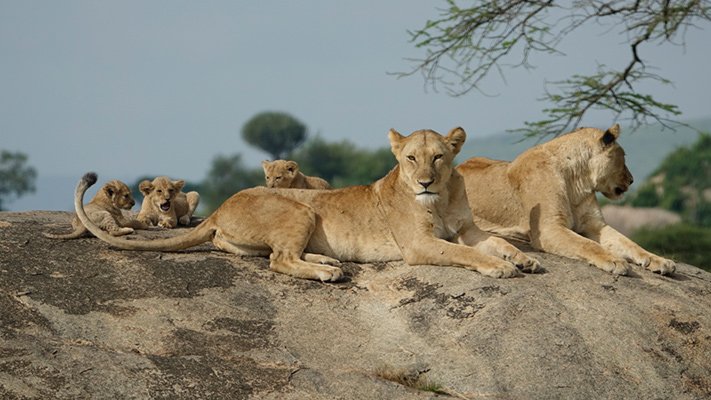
291, 264
498, 247
501, 248
319, 259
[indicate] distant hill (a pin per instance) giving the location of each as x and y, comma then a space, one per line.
645, 148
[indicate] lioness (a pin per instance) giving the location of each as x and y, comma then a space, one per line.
104, 209
165, 204
547, 195
286, 174
418, 212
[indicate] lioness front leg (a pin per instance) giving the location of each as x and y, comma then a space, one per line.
560, 240
440, 252
498, 247
622, 246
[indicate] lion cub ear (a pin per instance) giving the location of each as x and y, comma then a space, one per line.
456, 138
146, 187
611, 134
178, 185
110, 189
292, 166
395, 141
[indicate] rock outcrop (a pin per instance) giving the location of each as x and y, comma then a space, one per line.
81, 320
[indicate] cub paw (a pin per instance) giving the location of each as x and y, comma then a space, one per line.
166, 224
122, 232
661, 265
184, 220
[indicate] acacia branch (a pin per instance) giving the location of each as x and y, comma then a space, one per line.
464, 45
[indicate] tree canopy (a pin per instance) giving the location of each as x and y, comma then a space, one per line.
16, 177
466, 43
276, 133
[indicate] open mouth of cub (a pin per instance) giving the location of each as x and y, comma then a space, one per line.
165, 206
619, 191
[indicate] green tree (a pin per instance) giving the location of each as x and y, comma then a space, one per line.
681, 183
342, 163
16, 178
276, 133
466, 43
227, 176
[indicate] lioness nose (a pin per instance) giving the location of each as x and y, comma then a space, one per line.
425, 184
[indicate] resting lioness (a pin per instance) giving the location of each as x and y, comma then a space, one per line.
105, 210
286, 174
547, 195
418, 212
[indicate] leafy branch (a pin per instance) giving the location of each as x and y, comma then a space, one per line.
466, 44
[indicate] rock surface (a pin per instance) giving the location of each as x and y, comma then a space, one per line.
81, 320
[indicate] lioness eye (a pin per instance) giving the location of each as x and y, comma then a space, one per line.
411, 158
438, 156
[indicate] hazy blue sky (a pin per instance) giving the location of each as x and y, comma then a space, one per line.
128, 88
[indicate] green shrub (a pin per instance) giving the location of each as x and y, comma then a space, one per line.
681, 242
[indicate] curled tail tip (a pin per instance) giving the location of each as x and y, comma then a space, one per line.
89, 178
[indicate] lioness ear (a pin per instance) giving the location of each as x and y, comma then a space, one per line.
178, 185
292, 166
611, 134
395, 140
456, 138
146, 187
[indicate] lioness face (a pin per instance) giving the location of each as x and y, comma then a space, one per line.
161, 192
610, 173
120, 195
279, 173
425, 158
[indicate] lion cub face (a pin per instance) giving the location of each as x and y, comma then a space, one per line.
610, 174
425, 158
161, 192
280, 173
119, 194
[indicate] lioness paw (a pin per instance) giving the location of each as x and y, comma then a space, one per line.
502, 270
661, 265
617, 267
525, 263
320, 259
329, 274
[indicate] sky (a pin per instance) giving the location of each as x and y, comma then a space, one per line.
132, 88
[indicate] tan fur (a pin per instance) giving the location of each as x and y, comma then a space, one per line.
418, 213
164, 203
286, 174
105, 211
547, 195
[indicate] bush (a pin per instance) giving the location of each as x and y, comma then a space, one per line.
681, 242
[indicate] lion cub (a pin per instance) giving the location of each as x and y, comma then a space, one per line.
286, 174
105, 210
164, 203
